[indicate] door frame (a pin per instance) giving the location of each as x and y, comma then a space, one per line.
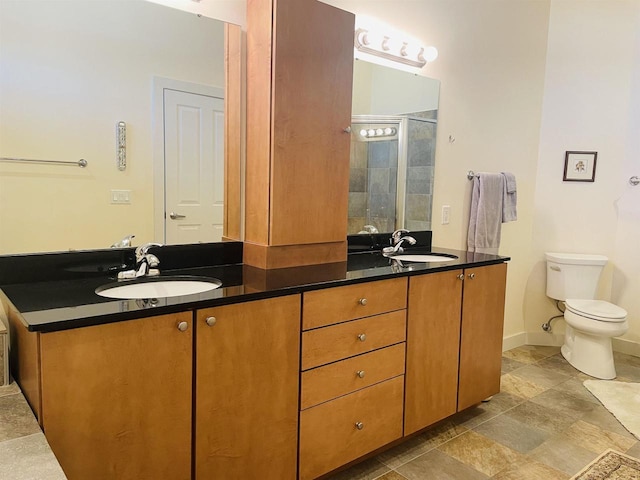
160, 84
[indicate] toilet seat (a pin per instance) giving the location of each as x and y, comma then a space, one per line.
597, 310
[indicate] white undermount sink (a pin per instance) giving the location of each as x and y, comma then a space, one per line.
158, 287
423, 258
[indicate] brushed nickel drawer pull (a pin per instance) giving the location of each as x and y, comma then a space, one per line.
460, 277
360, 373
359, 425
362, 337
472, 276
210, 321
362, 301
183, 326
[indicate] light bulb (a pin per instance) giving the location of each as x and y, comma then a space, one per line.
429, 54
363, 133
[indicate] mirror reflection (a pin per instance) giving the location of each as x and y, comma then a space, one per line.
393, 136
71, 71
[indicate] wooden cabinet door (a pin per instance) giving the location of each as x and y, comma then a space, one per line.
482, 326
116, 398
433, 337
246, 410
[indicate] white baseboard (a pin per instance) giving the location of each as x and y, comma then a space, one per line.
514, 341
625, 346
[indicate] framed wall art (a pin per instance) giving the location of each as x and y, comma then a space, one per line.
580, 166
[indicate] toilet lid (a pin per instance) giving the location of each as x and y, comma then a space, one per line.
597, 309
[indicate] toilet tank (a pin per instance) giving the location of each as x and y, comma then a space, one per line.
573, 275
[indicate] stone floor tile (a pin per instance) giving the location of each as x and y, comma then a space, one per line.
392, 475
603, 418
557, 363
561, 454
540, 376
530, 470
596, 439
525, 354
367, 470
623, 358
513, 434
522, 387
29, 457
541, 417
627, 372
484, 411
575, 387
482, 453
634, 451
509, 364
10, 389
438, 465
16, 418
421, 444
564, 403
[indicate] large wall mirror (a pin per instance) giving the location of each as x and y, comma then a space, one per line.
71, 70
393, 135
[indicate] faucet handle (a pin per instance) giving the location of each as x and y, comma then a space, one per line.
124, 243
142, 250
397, 235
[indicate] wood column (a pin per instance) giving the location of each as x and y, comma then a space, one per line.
299, 81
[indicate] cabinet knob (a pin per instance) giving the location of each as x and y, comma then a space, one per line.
183, 326
211, 321
362, 337
359, 425
472, 276
362, 301
360, 373
347, 130
461, 276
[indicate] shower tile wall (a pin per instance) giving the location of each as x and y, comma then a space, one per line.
372, 185
421, 138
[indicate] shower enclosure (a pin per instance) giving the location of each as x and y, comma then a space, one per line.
391, 177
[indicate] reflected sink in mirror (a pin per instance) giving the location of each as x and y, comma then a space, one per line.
157, 287
423, 258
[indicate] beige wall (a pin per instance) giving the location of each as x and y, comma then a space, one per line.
61, 95
591, 102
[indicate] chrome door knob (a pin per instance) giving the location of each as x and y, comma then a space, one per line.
347, 130
362, 301
211, 321
359, 425
362, 337
360, 373
183, 326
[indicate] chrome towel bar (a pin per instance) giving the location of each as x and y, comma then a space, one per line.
80, 163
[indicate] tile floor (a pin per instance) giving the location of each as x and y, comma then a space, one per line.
543, 425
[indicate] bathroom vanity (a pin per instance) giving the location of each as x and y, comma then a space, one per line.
290, 373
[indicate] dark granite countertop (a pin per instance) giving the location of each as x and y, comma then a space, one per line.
60, 303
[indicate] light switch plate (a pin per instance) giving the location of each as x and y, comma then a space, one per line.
446, 213
122, 197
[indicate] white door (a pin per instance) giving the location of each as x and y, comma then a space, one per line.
194, 167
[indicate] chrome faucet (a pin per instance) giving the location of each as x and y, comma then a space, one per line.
147, 263
124, 243
398, 238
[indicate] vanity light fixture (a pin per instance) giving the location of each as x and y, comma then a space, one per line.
378, 132
398, 51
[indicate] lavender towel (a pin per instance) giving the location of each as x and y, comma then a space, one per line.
509, 198
485, 218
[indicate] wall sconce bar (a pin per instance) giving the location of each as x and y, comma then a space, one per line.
80, 163
364, 42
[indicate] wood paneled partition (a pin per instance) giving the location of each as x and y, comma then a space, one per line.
299, 81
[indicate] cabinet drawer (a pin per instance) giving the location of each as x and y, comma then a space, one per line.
336, 379
339, 304
330, 344
329, 436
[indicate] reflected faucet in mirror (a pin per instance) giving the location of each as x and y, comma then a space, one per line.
124, 243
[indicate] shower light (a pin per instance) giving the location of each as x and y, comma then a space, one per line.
392, 49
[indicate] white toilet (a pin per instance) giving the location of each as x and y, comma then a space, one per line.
573, 279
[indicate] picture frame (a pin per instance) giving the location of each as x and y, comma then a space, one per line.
580, 166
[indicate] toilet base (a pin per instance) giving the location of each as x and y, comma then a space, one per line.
590, 354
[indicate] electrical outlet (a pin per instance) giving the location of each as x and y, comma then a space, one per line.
446, 212
121, 197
